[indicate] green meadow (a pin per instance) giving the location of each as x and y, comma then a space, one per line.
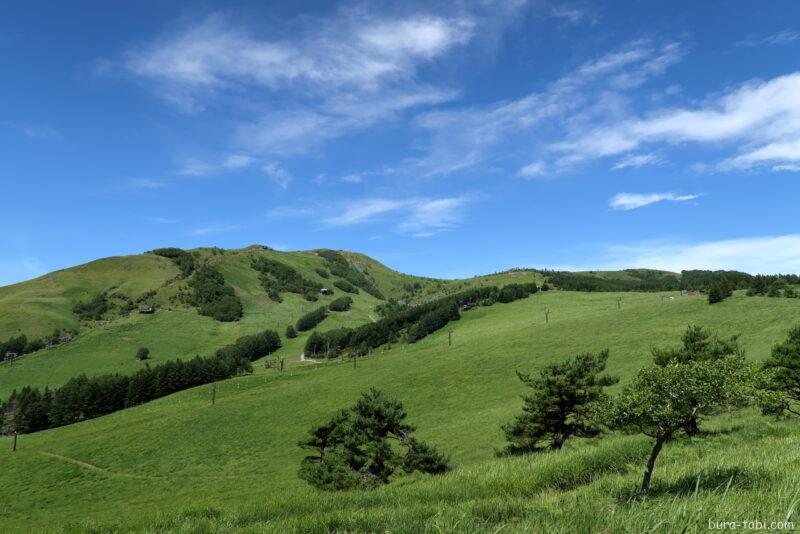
180, 464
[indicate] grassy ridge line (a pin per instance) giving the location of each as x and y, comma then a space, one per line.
457, 396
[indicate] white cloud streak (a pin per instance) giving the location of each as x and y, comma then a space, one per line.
334, 76
419, 217
463, 138
629, 201
761, 119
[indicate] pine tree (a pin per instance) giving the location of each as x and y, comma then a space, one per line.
355, 448
558, 406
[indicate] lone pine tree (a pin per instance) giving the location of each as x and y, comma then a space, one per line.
364, 445
558, 406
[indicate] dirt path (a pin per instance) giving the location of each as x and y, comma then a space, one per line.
95, 468
119, 474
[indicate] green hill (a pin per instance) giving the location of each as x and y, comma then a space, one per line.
180, 464
37, 307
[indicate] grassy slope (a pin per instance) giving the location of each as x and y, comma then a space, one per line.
179, 453
38, 306
180, 333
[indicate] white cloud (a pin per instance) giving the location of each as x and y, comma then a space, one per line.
366, 209
781, 38
145, 183
419, 217
290, 212
532, 170
227, 164
278, 174
636, 161
771, 254
761, 119
41, 132
354, 50
573, 15
330, 77
463, 138
629, 201
212, 228
161, 220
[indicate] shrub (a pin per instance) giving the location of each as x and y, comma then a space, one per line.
346, 286
354, 448
341, 304
143, 353
291, 333
311, 319
94, 310
212, 297
322, 272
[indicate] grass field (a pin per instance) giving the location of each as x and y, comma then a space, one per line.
180, 464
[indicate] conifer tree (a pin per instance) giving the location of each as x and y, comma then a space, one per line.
558, 406
355, 448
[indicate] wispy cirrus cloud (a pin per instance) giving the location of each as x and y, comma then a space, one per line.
760, 120
419, 217
637, 160
331, 76
629, 201
212, 228
460, 139
783, 37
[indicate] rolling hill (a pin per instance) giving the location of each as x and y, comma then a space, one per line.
180, 463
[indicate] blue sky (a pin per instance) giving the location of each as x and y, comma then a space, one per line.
444, 139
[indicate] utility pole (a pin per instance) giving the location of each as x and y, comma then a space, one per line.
213, 393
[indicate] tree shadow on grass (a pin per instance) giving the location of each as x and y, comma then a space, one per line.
711, 480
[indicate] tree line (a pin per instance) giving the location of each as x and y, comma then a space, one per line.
82, 397
20, 344
412, 322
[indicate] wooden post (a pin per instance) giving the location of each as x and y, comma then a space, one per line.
547, 315
354, 361
213, 393
450, 338
282, 362
619, 303
14, 446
